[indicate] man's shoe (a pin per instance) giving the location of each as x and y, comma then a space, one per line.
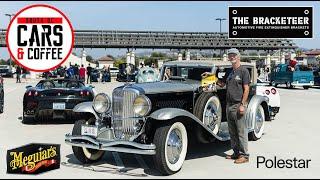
233, 156
241, 159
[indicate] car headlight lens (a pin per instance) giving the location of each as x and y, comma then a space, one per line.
142, 105
101, 103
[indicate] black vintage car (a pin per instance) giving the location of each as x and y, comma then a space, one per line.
1, 95
127, 73
54, 98
160, 118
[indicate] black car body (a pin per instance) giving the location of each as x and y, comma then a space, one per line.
124, 76
95, 75
1, 95
55, 98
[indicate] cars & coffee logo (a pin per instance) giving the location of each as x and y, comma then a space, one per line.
40, 38
33, 159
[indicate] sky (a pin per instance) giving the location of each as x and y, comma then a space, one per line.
187, 16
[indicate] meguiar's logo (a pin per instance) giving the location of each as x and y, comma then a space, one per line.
33, 159
40, 38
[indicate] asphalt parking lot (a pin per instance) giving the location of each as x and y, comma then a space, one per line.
293, 134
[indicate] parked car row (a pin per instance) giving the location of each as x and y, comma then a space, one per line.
1, 95
298, 76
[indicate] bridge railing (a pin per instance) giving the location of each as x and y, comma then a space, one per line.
167, 40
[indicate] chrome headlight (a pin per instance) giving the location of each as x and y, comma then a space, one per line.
142, 105
101, 103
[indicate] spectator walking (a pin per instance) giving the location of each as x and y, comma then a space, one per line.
89, 74
82, 73
18, 73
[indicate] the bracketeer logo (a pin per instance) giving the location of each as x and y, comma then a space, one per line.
40, 38
33, 159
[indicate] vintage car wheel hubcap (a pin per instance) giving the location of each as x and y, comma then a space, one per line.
259, 120
211, 114
174, 146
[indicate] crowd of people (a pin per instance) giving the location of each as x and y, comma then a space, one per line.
85, 74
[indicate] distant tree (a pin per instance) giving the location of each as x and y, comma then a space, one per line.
90, 59
119, 61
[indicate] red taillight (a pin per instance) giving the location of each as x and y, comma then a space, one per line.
267, 92
34, 93
85, 93
273, 91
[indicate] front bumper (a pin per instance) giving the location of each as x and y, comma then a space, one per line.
33, 107
113, 145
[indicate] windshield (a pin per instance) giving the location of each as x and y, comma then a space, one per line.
59, 84
192, 73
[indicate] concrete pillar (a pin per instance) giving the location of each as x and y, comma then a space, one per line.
283, 59
268, 61
188, 55
132, 58
179, 57
128, 57
225, 57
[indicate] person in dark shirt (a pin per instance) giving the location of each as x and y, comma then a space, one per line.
89, 74
237, 84
18, 73
76, 71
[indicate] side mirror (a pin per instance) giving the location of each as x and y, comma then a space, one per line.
29, 86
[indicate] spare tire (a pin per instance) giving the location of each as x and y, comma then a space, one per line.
208, 110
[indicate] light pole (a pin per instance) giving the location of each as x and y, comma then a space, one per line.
220, 19
10, 16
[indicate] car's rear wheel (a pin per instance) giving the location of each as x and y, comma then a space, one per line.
1, 101
306, 87
208, 110
273, 83
171, 142
85, 155
289, 85
259, 123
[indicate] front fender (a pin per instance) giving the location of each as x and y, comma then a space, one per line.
250, 115
171, 113
85, 107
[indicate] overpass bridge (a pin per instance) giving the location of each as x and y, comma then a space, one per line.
168, 40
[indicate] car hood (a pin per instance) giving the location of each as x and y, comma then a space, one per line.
165, 86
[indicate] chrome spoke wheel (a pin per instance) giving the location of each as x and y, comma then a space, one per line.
259, 120
174, 146
212, 114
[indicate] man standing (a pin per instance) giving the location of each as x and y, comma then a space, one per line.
89, 74
18, 73
237, 84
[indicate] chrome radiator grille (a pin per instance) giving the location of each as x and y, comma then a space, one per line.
123, 116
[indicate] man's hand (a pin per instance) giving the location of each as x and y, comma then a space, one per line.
205, 74
242, 110
221, 83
